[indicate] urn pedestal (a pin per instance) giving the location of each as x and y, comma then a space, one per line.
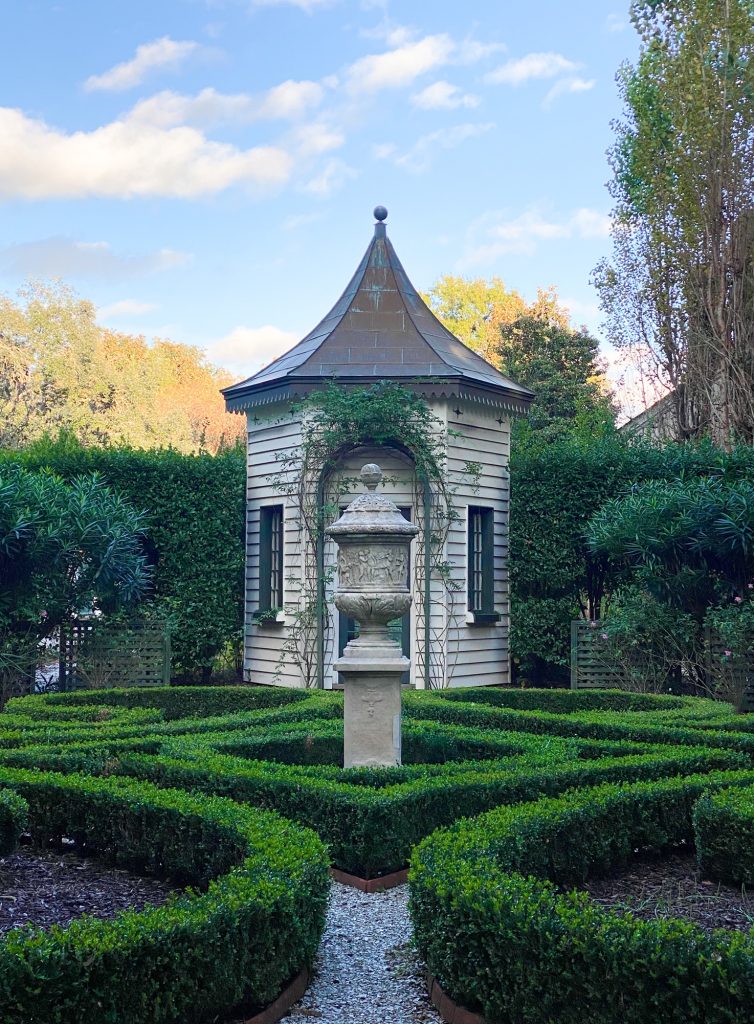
374, 543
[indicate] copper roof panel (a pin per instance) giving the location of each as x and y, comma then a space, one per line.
381, 327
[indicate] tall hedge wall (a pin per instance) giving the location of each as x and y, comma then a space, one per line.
555, 489
195, 505
196, 509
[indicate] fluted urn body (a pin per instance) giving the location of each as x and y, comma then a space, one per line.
374, 544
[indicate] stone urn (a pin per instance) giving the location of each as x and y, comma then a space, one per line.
374, 547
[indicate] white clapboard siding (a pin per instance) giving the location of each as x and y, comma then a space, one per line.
470, 655
264, 655
479, 655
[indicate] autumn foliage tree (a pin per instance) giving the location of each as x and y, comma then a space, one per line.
679, 288
61, 371
534, 344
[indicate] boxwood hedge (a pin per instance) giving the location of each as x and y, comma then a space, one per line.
251, 920
280, 749
724, 835
13, 819
497, 926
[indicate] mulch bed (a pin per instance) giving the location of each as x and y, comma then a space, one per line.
670, 886
55, 887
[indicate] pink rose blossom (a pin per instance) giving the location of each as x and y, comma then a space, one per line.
727, 653
738, 600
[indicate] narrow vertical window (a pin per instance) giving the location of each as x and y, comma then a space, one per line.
271, 557
480, 560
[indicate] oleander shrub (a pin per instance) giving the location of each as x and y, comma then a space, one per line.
498, 926
195, 533
250, 921
14, 812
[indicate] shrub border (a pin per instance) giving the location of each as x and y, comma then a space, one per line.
469, 893
271, 900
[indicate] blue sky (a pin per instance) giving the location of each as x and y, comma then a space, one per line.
206, 170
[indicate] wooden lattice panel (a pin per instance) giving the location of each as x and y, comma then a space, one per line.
97, 655
591, 668
731, 676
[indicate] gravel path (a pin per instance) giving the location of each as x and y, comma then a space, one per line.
367, 972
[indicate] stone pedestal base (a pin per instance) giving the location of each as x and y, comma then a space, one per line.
372, 711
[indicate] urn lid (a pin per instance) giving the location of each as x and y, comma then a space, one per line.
371, 512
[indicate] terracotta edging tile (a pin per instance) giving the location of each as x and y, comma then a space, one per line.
451, 1012
370, 885
290, 995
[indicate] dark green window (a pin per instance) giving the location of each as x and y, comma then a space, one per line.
481, 560
271, 557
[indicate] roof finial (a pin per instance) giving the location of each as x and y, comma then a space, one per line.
380, 213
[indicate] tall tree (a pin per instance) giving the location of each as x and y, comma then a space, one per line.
534, 344
60, 370
475, 309
561, 366
680, 286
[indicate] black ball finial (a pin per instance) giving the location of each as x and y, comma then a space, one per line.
380, 213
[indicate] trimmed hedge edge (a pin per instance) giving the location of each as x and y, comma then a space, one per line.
520, 948
251, 923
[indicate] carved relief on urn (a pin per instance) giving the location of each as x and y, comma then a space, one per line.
373, 560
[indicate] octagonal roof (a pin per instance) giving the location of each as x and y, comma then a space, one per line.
380, 328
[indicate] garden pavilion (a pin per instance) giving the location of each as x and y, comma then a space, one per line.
457, 631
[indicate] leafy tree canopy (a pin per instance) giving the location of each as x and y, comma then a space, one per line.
679, 289
59, 370
535, 345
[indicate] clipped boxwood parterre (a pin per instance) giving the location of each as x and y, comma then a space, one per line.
497, 925
251, 921
14, 812
371, 820
724, 835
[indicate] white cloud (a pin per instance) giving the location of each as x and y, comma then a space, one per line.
128, 157
125, 307
316, 138
443, 96
471, 50
384, 150
247, 349
494, 235
64, 257
304, 5
165, 53
400, 66
532, 66
588, 223
332, 177
409, 58
615, 23
566, 86
288, 101
419, 157
582, 312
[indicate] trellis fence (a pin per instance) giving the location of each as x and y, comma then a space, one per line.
592, 667
96, 655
